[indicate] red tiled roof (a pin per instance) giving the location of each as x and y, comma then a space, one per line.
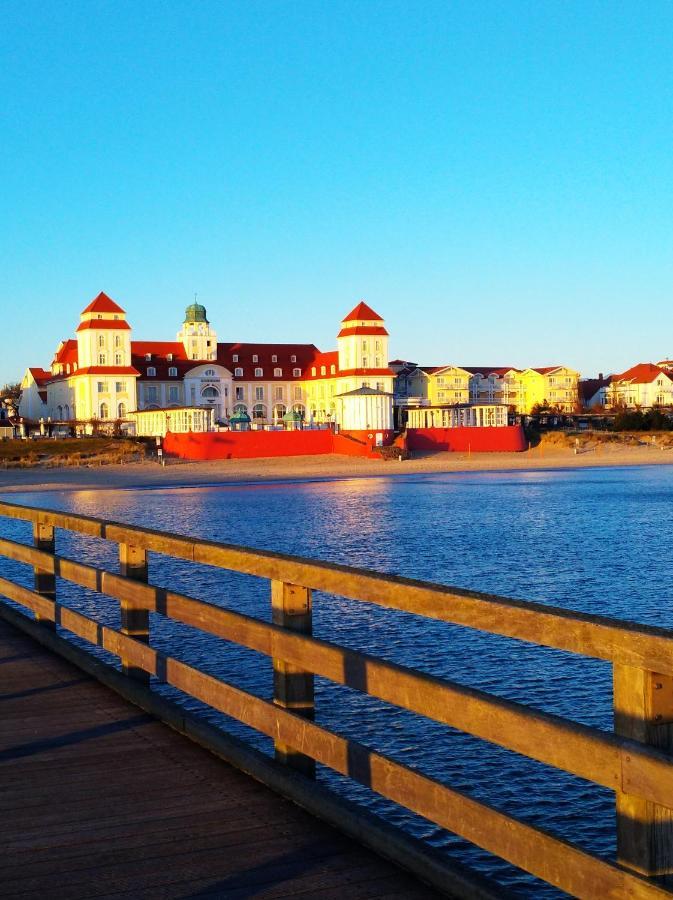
159, 348
67, 352
643, 373
103, 303
105, 370
362, 329
304, 354
117, 324
362, 313
40, 375
544, 370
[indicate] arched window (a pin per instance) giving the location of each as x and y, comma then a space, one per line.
296, 373
332, 370
299, 408
240, 408
259, 411
313, 371
279, 410
259, 373
60, 412
118, 341
238, 373
66, 411
209, 373
103, 410
121, 411
323, 370
151, 371
210, 393
172, 372
278, 373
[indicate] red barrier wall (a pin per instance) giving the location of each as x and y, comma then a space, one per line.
248, 444
507, 439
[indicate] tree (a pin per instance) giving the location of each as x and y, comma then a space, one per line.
11, 391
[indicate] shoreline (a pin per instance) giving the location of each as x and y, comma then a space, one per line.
283, 470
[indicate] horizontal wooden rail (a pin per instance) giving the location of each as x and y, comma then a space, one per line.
532, 849
626, 643
595, 755
635, 762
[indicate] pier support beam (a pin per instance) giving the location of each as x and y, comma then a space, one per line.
643, 706
293, 687
135, 619
45, 581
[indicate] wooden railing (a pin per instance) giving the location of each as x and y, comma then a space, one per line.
634, 761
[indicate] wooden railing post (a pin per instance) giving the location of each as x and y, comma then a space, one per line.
292, 686
643, 710
135, 620
45, 582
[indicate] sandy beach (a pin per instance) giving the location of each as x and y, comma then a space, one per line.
180, 473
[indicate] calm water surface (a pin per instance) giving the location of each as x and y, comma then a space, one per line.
591, 540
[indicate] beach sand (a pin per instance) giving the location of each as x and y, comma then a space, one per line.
178, 472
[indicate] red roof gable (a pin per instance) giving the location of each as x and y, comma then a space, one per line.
362, 313
362, 329
103, 303
67, 352
643, 373
117, 324
40, 375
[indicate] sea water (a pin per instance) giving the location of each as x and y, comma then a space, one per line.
594, 540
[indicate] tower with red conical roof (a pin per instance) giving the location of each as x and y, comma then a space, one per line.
362, 341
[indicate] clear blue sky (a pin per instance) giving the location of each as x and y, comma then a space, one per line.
496, 178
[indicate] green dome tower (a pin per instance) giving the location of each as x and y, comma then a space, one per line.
198, 338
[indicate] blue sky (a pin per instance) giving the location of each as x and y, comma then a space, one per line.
495, 178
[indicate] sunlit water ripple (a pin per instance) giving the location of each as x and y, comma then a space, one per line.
592, 540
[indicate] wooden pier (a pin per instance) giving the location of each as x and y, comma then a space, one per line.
101, 799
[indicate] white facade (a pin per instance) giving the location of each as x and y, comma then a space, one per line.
366, 409
482, 415
158, 422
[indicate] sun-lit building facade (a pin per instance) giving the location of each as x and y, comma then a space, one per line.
522, 390
101, 376
643, 386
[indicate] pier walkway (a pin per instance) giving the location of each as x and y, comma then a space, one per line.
99, 799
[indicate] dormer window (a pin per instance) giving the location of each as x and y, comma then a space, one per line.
238, 373
323, 370
172, 372
148, 357
274, 358
255, 358
209, 373
234, 358
151, 371
258, 372
296, 373
278, 373
169, 357
313, 371
332, 370
293, 358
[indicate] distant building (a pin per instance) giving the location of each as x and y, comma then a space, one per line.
519, 389
643, 385
593, 392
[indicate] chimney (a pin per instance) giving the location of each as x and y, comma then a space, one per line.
600, 376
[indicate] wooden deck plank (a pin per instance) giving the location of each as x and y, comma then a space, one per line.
100, 799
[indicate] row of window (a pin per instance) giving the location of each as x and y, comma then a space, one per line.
118, 359
120, 387
102, 341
